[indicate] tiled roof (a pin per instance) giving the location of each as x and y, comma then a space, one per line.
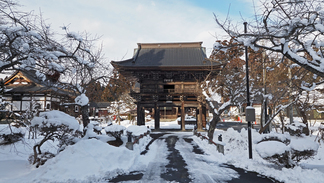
167, 55
34, 85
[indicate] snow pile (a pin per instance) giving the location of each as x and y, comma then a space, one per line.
55, 118
6, 130
234, 141
87, 159
92, 160
304, 145
236, 153
92, 128
285, 138
270, 148
114, 128
141, 144
137, 130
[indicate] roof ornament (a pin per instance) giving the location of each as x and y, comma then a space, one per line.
137, 52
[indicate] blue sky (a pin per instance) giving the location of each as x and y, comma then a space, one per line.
124, 23
233, 7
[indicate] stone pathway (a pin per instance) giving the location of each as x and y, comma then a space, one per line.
187, 162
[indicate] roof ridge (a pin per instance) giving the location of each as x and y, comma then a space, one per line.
171, 45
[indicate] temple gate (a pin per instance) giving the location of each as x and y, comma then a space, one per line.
169, 75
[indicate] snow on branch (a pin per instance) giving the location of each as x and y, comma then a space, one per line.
82, 100
308, 88
293, 28
75, 36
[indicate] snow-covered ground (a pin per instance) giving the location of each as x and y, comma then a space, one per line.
89, 160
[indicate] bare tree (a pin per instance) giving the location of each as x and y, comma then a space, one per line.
293, 28
229, 84
71, 62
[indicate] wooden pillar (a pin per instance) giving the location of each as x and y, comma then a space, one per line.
204, 112
156, 117
140, 115
199, 120
183, 127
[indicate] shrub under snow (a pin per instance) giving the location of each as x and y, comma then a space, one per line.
303, 149
137, 130
55, 118
115, 131
53, 125
297, 129
272, 136
275, 152
278, 149
11, 135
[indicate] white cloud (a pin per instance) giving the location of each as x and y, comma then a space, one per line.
122, 24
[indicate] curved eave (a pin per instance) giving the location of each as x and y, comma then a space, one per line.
208, 66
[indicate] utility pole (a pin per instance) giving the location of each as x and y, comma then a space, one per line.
248, 94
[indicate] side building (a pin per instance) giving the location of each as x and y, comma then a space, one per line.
25, 92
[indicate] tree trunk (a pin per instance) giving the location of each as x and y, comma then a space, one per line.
282, 122
215, 120
35, 154
212, 126
85, 116
305, 130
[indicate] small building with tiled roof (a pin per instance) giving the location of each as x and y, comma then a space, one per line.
99, 108
26, 92
169, 75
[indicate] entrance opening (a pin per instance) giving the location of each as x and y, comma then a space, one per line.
168, 88
191, 115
